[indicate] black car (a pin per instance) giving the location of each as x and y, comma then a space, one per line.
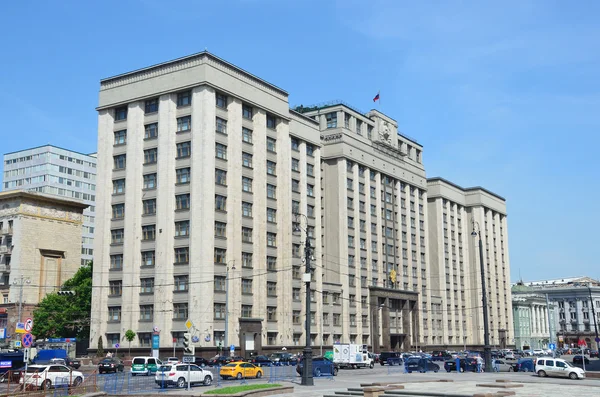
321, 366
283, 358
219, 361
261, 361
579, 359
199, 361
390, 358
466, 364
419, 364
73, 363
594, 353
110, 365
440, 356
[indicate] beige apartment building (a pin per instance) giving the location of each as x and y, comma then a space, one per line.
40, 248
455, 279
206, 166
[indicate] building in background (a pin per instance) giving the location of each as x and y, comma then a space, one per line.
40, 248
573, 302
455, 275
53, 170
532, 319
207, 166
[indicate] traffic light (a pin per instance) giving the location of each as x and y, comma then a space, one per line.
188, 348
66, 292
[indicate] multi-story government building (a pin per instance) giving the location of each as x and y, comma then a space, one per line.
206, 167
57, 171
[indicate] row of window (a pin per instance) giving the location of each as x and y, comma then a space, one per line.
48, 156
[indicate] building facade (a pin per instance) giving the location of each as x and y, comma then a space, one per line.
40, 248
53, 170
574, 309
211, 172
532, 319
454, 212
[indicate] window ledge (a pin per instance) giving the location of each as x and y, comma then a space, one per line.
180, 263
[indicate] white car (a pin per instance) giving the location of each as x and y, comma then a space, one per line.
509, 356
559, 368
172, 360
48, 376
177, 375
538, 352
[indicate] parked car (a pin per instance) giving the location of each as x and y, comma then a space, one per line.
240, 370
559, 368
390, 358
466, 364
502, 366
283, 358
524, 365
440, 356
171, 360
110, 365
416, 364
199, 361
49, 376
579, 359
509, 355
261, 361
219, 360
177, 375
594, 353
321, 366
144, 365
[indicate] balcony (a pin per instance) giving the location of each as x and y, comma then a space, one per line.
7, 231
5, 249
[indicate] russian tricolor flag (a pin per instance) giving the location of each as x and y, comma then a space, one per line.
376, 97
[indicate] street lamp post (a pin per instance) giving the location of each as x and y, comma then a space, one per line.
307, 376
21, 282
487, 352
597, 340
225, 338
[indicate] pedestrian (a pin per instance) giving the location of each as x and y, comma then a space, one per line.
479, 363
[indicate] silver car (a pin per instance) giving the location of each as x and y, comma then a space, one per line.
502, 366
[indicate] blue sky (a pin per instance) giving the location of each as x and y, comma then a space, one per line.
502, 95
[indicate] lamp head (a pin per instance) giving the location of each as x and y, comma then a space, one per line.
474, 233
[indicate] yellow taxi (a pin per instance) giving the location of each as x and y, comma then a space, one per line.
240, 370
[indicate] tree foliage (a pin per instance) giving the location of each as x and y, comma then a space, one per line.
100, 349
130, 336
65, 316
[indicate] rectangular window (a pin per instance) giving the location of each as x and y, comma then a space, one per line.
181, 283
219, 313
271, 145
220, 229
271, 215
220, 203
221, 126
246, 209
310, 190
271, 316
247, 160
271, 121
147, 285
117, 236
271, 263
184, 98
310, 150
150, 156
151, 105
295, 207
220, 283
119, 162
247, 260
151, 131
246, 234
184, 149
246, 135
247, 184
182, 175
310, 211
150, 181
271, 288
116, 262
114, 313
271, 191
247, 286
148, 232
182, 228
148, 258
182, 255
295, 186
184, 123
246, 310
221, 151
271, 239
271, 168
115, 287
118, 211
182, 201
331, 120
220, 177
120, 137
295, 165
221, 100
295, 144
119, 186
121, 113
247, 112
180, 311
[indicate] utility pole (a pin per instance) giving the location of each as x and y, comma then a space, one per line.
20, 283
307, 375
225, 338
487, 352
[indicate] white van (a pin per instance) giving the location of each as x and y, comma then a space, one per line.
557, 367
144, 365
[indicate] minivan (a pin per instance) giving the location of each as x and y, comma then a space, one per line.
144, 365
557, 367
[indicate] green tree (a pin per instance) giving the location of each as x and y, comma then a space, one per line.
130, 336
66, 316
100, 350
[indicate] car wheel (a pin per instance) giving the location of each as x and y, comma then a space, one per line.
181, 382
542, 374
382, 363
371, 365
335, 371
573, 375
435, 370
239, 375
447, 370
48, 384
317, 372
77, 381
207, 380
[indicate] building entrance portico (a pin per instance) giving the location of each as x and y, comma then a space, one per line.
394, 319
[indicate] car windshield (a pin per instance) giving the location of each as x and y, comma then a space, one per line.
568, 364
37, 368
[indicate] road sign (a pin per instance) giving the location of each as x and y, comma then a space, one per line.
188, 359
232, 348
62, 340
26, 353
117, 345
20, 328
195, 339
17, 343
551, 346
189, 324
27, 340
29, 324
6, 364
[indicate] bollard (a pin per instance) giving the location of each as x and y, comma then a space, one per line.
457, 365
